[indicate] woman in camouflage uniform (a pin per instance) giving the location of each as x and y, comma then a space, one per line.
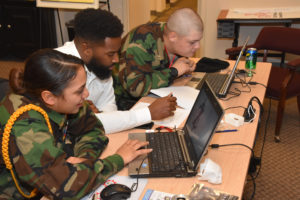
64, 165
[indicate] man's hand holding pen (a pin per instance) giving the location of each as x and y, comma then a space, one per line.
163, 107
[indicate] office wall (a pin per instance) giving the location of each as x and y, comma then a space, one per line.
157, 5
160, 5
131, 13
209, 10
139, 13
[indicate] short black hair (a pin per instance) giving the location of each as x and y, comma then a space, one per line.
96, 25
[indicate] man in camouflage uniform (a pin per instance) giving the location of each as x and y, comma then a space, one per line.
63, 180
154, 54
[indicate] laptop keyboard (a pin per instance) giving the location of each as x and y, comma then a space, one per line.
166, 154
216, 81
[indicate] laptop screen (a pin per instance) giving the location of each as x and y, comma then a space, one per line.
202, 122
237, 62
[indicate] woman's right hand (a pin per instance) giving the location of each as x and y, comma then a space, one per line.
131, 149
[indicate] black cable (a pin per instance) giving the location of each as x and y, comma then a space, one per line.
252, 155
264, 139
235, 94
259, 103
254, 187
250, 83
244, 80
61, 34
135, 185
234, 107
214, 146
238, 92
232, 93
256, 83
247, 91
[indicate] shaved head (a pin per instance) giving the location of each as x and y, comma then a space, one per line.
183, 21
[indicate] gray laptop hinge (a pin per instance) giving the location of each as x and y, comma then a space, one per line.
185, 151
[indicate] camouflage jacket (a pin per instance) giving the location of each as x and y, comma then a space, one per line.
39, 158
144, 63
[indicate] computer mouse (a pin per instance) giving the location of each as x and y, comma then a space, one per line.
115, 192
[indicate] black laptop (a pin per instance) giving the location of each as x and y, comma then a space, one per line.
179, 153
220, 83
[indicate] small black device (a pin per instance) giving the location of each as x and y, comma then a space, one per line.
146, 126
115, 192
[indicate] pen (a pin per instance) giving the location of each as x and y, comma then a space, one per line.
187, 75
225, 131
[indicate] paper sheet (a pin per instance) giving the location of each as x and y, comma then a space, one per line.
264, 13
185, 95
176, 120
125, 180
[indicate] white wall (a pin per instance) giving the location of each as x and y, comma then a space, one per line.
139, 12
158, 5
209, 10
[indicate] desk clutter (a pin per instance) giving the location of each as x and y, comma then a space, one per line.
125, 181
198, 191
166, 188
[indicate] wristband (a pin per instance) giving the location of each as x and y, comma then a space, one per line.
173, 72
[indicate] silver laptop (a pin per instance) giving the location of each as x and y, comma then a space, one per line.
220, 83
179, 153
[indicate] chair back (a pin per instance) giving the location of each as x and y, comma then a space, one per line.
279, 39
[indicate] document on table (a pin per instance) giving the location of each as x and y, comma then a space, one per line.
176, 120
264, 13
185, 95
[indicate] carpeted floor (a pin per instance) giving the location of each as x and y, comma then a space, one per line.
279, 177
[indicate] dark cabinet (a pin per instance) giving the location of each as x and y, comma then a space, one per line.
25, 28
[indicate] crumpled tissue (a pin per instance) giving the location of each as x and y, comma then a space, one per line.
210, 171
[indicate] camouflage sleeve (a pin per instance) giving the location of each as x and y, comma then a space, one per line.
143, 68
39, 163
89, 132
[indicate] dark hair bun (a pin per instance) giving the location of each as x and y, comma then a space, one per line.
16, 80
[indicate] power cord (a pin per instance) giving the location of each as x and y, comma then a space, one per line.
252, 158
135, 185
250, 83
234, 107
215, 146
254, 186
264, 139
249, 113
237, 92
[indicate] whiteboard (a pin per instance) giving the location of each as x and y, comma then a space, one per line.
69, 4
